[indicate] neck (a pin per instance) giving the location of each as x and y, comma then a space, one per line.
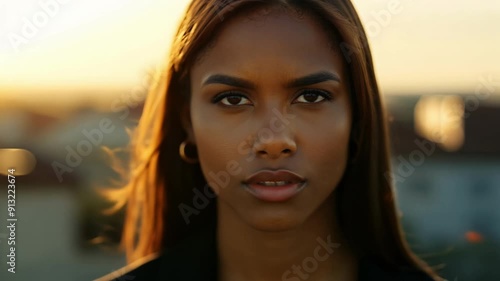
313, 251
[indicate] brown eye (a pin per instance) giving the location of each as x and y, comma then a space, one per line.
231, 99
313, 96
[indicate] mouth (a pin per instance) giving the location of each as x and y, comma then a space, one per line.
273, 183
274, 186
274, 177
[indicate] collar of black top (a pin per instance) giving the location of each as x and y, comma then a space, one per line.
194, 258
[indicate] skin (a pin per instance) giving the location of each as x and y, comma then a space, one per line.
260, 240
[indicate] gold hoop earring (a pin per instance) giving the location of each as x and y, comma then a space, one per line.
182, 153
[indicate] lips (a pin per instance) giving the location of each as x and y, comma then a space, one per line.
274, 178
274, 186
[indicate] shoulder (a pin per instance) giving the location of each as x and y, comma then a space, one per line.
159, 267
171, 265
143, 269
191, 259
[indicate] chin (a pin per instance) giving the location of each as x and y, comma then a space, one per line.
274, 221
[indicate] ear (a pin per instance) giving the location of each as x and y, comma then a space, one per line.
186, 123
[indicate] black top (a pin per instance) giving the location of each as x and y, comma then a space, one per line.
195, 259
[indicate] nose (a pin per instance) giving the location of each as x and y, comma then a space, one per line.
273, 143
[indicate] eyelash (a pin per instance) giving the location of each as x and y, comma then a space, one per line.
326, 95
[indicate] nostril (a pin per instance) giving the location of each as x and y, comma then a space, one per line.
262, 153
286, 151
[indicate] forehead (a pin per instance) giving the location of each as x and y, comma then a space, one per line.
264, 34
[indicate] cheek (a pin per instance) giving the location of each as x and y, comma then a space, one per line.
327, 150
219, 138
217, 153
333, 159
212, 147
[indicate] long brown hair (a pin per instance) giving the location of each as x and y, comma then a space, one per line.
159, 181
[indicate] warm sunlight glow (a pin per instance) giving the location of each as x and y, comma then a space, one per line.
21, 161
89, 50
94, 51
440, 119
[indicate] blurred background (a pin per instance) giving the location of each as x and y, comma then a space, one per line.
74, 75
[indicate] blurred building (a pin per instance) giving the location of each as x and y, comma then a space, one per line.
448, 180
446, 169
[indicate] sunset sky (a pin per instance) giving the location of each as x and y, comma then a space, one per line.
71, 51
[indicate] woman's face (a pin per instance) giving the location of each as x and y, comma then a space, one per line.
270, 93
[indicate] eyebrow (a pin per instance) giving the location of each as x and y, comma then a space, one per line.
314, 78
310, 79
229, 80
